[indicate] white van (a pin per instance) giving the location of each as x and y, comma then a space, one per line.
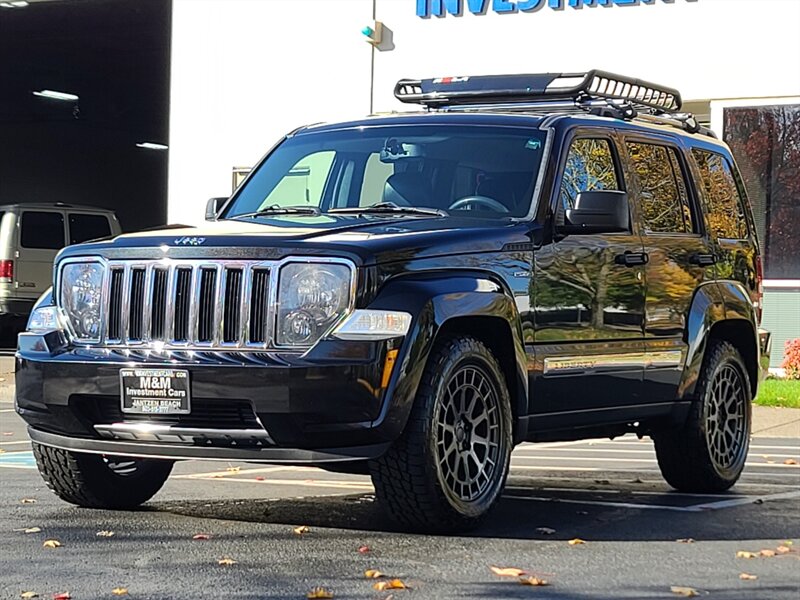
30, 237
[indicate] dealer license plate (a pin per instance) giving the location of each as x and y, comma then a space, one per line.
155, 391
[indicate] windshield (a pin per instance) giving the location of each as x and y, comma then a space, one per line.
475, 171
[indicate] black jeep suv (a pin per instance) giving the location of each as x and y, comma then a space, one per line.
531, 257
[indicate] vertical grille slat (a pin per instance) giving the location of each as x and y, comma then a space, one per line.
115, 304
205, 313
259, 305
136, 305
231, 321
183, 295
159, 302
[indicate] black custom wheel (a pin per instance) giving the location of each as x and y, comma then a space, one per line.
97, 481
448, 469
708, 453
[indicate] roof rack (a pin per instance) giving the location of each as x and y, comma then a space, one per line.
596, 92
593, 85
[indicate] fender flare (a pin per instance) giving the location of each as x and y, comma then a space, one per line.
434, 302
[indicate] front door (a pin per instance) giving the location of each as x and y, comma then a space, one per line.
588, 297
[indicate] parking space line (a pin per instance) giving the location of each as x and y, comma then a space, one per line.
610, 504
5, 410
329, 483
14, 443
230, 474
741, 501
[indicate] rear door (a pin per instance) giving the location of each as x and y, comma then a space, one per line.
84, 227
41, 234
680, 258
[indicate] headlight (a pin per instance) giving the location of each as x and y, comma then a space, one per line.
311, 299
81, 295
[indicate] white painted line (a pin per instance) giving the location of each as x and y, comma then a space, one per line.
4, 410
612, 504
741, 501
666, 493
13, 443
229, 474
581, 458
346, 485
532, 445
651, 451
659, 481
2, 466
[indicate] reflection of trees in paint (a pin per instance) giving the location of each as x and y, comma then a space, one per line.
766, 143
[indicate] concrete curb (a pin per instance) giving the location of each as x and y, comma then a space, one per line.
771, 421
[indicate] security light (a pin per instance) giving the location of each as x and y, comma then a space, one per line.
53, 95
151, 146
17, 4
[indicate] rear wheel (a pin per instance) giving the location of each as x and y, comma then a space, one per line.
449, 467
708, 453
99, 481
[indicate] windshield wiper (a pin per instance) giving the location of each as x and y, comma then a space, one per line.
391, 208
279, 210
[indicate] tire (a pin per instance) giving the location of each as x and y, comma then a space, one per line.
448, 468
700, 457
96, 481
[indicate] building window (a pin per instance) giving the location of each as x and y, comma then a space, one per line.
765, 141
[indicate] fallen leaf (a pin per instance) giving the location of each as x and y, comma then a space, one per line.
319, 592
301, 530
29, 529
7, 433
534, 581
576, 542
120, 591
602, 481
783, 549
507, 571
393, 584
637, 480
373, 574
545, 530
684, 591
788, 543
62, 596
767, 553
226, 562
28, 501
2, 451
747, 577
745, 554
233, 469
790, 461
685, 541
29, 595
260, 478
201, 536
363, 549
51, 544
105, 533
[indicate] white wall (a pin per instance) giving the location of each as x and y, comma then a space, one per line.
246, 71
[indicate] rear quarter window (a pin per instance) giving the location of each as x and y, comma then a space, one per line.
42, 230
83, 228
725, 207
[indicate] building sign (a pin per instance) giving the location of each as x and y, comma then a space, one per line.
440, 8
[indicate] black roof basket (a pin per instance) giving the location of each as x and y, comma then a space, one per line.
543, 87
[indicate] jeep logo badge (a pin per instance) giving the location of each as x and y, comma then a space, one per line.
189, 241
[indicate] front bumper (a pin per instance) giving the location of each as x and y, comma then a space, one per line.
330, 405
765, 348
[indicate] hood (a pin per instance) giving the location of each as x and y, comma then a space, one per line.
368, 239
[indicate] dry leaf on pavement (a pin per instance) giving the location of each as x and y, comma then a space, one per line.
685, 541
28, 501
260, 478
29, 529
545, 530
576, 542
767, 553
393, 584
684, 591
319, 592
51, 544
62, 596
105, 533
747, 577
783, 549
2, 451
233, 469
534, 581
745, 554
363, 549
120, 591
373, 574
29, 595
226, 562
507, 571
790, 461
201, 536
301, 530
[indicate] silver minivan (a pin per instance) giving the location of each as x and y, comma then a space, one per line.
30, 237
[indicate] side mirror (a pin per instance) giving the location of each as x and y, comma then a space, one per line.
598, 212
212, 208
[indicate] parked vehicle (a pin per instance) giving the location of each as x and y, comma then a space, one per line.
532, 257
30, 237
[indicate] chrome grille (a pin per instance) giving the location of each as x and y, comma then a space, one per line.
188, 304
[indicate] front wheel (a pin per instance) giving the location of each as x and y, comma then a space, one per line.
708, 453
99, 481
448, 469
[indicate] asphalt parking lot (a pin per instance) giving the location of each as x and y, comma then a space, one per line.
607, 493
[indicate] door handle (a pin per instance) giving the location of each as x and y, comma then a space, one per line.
632, 259
704, 260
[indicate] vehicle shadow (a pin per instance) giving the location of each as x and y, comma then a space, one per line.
531, 512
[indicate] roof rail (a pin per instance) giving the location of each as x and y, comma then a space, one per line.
578, 87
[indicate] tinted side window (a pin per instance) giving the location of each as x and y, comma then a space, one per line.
42, 230
589, 167
375, 175
83, 228
663, 198
725, 212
